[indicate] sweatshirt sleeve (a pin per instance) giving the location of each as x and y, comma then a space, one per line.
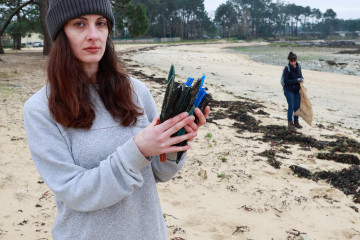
163, 171
79, 188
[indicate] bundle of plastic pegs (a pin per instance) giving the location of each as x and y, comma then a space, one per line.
180, 98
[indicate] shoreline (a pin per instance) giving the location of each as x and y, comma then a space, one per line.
315, 58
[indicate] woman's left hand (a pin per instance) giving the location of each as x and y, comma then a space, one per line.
193, 127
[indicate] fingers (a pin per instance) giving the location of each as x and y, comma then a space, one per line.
172, 121
179, 125
191, 127
155, 121
190, 130
178, 139
157, 137
207, 112
202, 120
178, 149
202, 117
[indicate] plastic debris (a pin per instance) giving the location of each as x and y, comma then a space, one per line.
184, 97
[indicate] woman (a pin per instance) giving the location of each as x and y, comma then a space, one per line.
292, 78
93, 132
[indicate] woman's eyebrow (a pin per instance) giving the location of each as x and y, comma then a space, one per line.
86, 19
82, 18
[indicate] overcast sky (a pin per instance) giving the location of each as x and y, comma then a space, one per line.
345, 9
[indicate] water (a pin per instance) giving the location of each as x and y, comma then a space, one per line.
312, 58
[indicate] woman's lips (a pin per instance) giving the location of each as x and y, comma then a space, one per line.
92, 49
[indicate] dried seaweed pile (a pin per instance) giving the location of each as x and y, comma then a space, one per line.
341, 158
238, 110
270, 155
346, 180
279, 136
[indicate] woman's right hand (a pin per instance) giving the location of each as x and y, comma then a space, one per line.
156, 138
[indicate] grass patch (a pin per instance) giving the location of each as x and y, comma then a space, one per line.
208, 135
223, 159
224, 176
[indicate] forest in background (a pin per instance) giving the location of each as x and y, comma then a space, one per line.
187, 19
243, 19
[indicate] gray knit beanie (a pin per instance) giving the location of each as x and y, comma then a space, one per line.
61, 11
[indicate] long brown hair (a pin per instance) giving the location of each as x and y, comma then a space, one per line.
69, 98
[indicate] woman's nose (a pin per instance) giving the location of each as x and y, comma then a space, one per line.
93, 33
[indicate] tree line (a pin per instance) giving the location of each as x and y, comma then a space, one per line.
263, 18
243, 19
187, 19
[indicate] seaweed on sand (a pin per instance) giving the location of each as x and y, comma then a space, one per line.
300, 171
341, 158
279, 136
270, 154
238, 110
346, 180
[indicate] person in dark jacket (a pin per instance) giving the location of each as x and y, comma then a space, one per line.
292, 81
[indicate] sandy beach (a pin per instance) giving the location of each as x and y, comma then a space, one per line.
237, 182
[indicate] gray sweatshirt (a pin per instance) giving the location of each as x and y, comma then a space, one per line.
104, 187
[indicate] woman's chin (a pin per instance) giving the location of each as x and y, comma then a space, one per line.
90, 60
